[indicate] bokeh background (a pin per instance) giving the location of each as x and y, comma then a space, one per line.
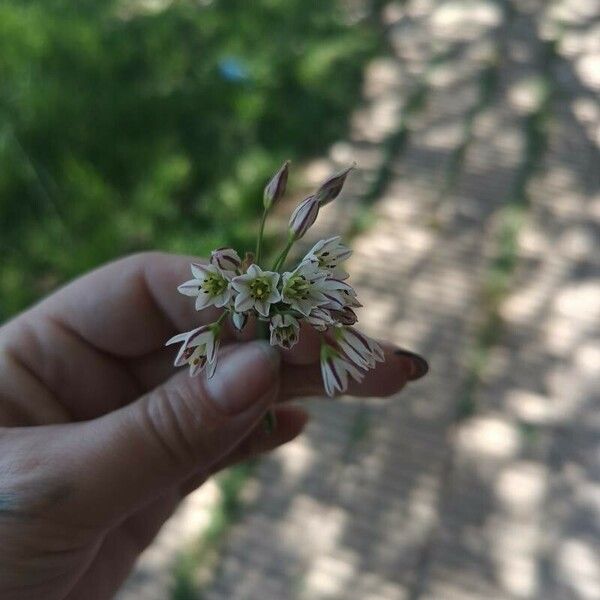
475, 218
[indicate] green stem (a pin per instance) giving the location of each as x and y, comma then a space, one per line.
281, 258
269, 420
259, 241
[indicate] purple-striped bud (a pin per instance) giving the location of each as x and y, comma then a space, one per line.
275, 189
227, 259
304, 216
330, 189
344, 316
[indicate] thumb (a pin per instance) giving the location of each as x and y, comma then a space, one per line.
130, 456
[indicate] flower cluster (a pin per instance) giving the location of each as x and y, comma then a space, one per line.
314, 292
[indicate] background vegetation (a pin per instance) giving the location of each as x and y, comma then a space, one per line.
126, 126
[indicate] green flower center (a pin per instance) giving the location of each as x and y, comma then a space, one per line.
260, 288
286, 333
214, 284
297, 287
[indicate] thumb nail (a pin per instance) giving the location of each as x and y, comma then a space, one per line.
243, 377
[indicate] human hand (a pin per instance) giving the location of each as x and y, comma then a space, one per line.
100, 439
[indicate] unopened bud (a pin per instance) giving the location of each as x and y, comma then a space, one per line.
304, 216
330, 189
226, 259
239, 320
275, 189
345, 316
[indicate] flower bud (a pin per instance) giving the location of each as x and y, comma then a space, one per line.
227, 259
239, 320
275, 189
344, 316
331, 188
304, 216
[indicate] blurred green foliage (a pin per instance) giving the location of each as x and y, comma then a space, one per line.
128, 125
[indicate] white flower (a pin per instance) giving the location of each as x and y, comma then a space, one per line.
303, 217
302, 288
335, 370
256, 289
339, 294
226, 259
329, 254
359, 348
350, 298
320, 318
285, 330
210, 286
199, 348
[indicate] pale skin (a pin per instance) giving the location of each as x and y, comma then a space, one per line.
101, 438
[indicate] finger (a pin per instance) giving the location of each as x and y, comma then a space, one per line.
155, 368
128, 307
291, 422
125, 459
300, 380
121, 548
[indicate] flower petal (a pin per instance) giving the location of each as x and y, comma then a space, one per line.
210, 369
262, 307
223, 299
243, 302
180, 337
190, 288
200, 271
203, 300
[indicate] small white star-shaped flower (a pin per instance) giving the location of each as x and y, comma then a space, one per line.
198, 349
256, 289
329, 254
302, 288
210, 286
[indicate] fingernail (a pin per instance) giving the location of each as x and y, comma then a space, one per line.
418, 365
244, 377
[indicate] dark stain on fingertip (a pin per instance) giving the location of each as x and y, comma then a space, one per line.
419, 366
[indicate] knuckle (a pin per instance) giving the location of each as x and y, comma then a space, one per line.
176, 421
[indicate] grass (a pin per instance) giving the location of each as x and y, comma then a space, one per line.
123, 129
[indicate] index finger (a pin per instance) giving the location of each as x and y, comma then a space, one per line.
129, 307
